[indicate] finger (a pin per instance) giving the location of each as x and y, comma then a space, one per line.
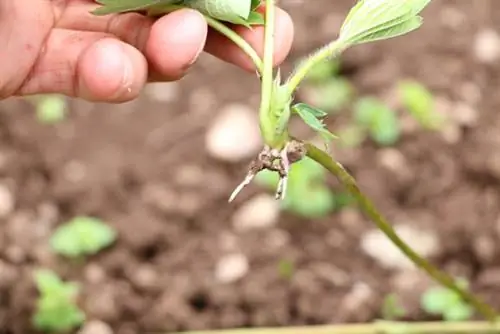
171, 43
132, 28
90, 65
22, 33
225, 49
175, 43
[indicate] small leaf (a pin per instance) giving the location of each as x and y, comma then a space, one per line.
310, 116
419, 101
381, 121
331, 95
82, 236
50, 109
437, 300
122, 6
371, 20
458, 312
320, 202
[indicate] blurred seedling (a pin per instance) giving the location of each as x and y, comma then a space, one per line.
448, 304
286, 268
82, 236
420, 103
307, 180
56, 307
49, 108
372, 119
326, 89
392, 308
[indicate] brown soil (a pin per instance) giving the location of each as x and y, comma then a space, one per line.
142, 167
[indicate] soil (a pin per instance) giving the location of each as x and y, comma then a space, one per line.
143, 168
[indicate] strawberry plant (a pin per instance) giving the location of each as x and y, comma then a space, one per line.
368, 21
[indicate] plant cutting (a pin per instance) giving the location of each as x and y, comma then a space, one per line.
368, 21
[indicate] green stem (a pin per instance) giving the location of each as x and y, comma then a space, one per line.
331, 50
378, 327
267, 72
238, 40
368, 207
222, 29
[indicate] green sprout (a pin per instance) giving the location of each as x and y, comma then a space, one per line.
378, 120
82, 236
391, 308
56, 308
420, 103
306, 180
286, 269
446, 303
49, 108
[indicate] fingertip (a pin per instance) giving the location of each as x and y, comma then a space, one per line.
110, 71
175, 42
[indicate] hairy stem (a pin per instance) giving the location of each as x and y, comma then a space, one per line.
331, 50
379, 327
368, 207
267, 72
221, 28
238, 40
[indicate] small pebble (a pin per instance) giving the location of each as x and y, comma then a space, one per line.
260, 212
231, 268
96, 327
7, 201
487, 46
379, 247
163, 91
234, 135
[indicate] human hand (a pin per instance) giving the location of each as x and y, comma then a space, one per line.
58, 46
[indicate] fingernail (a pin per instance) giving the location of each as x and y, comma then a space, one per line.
127, 78
112, 74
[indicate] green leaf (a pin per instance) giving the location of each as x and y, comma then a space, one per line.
50, 109
381, 122
419, 101
458, 312
82, 236
331, 95
234, 11
372, 20
240, 12
122, 6
437, 300
310, 116
316, 202
56, 310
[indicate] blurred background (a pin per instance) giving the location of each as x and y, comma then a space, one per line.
129, 201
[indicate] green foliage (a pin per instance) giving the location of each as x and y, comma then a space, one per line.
49, 108
82, 236
306, 181
313, 118
391, 308
329, 91
419, 101
323, 71
56, 309
447, 303
286, 269
241, 12
374, 20
380, 121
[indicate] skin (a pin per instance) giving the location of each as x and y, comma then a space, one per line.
57, 46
